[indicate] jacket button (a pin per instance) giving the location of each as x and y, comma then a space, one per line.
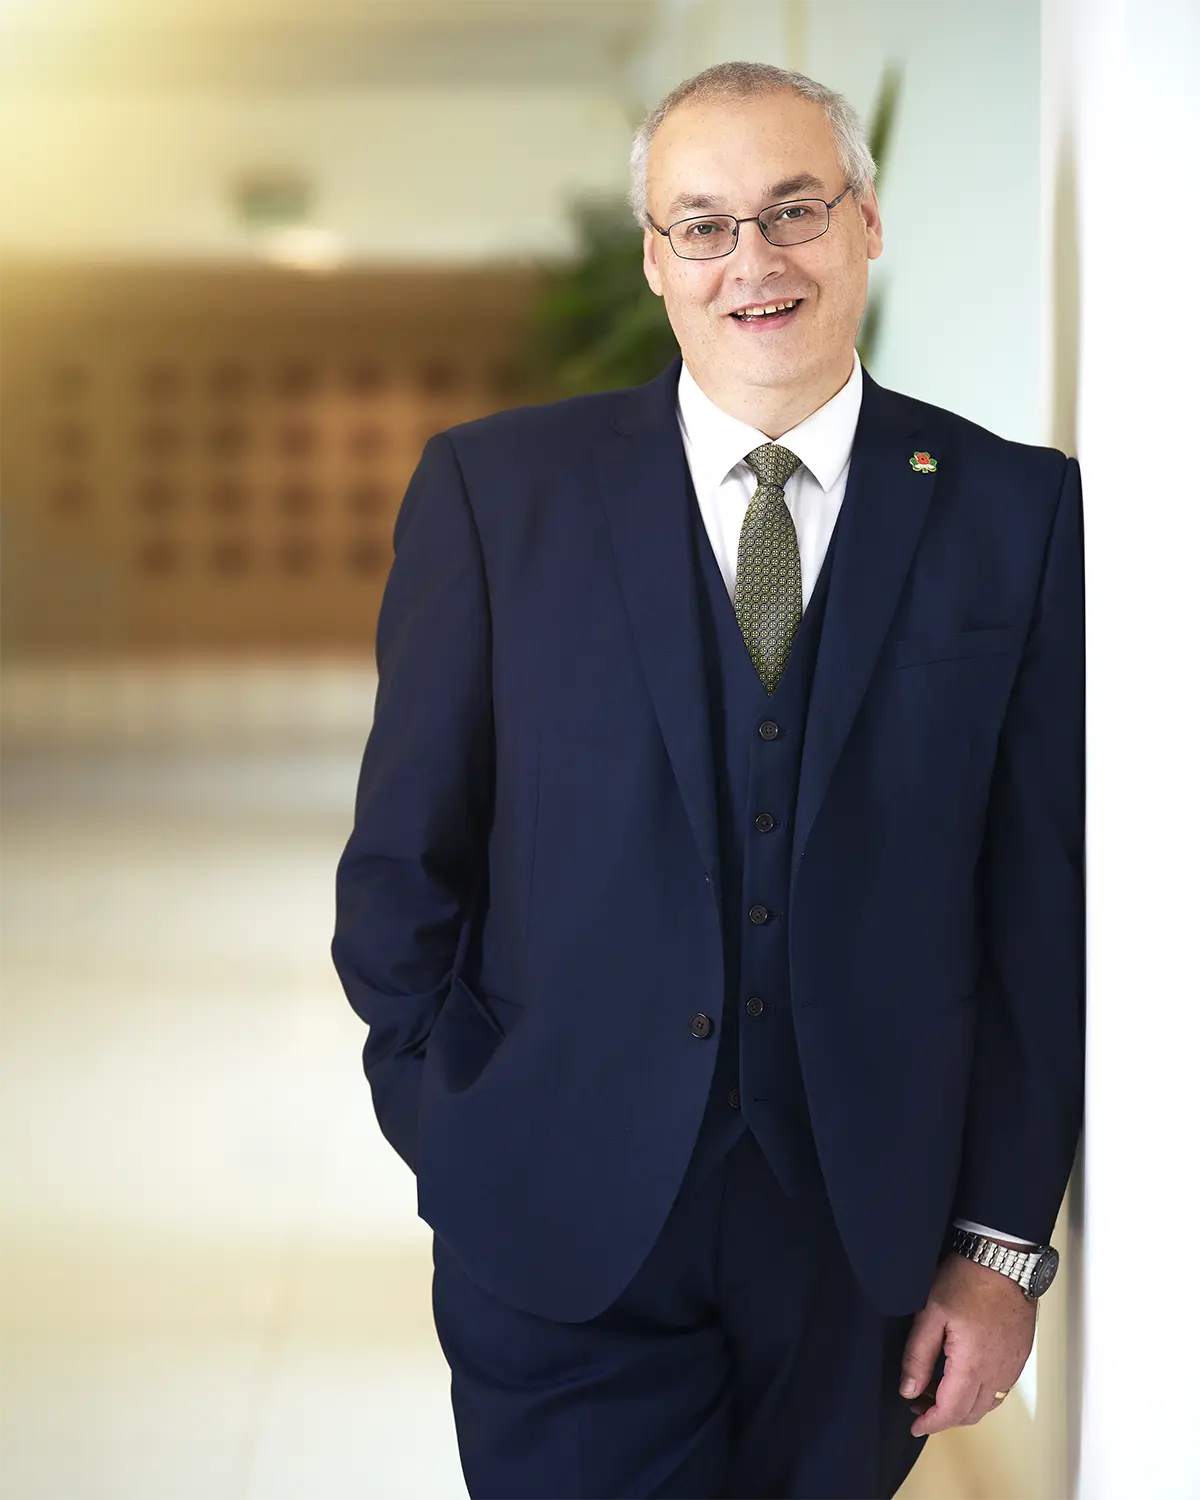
758, 915
764, 822
754, 1006
734, 1099
701, 1025
768, 729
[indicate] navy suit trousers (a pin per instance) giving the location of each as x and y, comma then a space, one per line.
742, 1360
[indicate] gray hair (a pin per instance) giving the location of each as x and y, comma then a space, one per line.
748, 80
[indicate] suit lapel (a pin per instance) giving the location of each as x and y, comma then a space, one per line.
642, 474
882, 515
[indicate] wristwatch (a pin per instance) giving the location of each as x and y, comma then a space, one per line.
1033, 1270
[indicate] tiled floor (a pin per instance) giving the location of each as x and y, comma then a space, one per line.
215, 1283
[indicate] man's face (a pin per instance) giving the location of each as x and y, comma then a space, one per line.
737, 157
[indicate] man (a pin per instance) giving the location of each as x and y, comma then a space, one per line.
715, 893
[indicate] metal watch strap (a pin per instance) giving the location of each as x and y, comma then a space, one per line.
1017, 1265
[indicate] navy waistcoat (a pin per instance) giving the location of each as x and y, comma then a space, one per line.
757, 741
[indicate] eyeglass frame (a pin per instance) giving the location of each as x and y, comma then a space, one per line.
753, 219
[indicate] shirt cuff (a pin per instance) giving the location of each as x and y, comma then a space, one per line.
992, 1234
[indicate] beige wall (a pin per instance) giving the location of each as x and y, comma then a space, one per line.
141, 174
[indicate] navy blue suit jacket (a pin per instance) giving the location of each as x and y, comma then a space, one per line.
527, 906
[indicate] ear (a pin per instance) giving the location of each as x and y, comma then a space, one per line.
650, 252
872, 225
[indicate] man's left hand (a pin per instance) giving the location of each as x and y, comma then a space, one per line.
986, 1324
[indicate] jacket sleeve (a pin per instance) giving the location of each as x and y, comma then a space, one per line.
406, 878
1025, 1105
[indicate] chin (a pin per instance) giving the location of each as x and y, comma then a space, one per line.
776, 370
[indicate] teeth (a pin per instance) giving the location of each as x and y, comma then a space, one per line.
760, 312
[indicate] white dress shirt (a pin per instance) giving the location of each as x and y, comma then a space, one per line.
716, 445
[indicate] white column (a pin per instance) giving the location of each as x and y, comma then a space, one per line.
1121, 94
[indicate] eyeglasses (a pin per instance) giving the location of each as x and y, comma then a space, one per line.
712, 235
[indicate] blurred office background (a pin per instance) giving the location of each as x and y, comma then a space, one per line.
252, 254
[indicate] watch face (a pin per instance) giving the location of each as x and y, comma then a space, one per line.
1044, 1273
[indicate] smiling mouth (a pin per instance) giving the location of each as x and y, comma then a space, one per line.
768, 312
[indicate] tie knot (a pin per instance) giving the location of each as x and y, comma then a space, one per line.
772, 463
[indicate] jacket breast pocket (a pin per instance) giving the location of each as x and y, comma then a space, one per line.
961, 645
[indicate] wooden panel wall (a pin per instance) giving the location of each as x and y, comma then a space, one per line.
210, 461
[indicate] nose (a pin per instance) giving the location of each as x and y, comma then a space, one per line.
754, 258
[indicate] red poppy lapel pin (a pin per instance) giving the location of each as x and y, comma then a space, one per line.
923, 464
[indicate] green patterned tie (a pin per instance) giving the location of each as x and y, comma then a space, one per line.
769, 597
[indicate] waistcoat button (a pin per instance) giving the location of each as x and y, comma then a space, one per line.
754, 1006
758, 915
734, 1099
764, 822
768, 729
701, 1025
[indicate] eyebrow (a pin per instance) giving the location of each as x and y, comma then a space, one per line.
803, 182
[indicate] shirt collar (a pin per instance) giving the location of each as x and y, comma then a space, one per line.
717, 442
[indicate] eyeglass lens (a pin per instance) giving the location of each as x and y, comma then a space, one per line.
716, 234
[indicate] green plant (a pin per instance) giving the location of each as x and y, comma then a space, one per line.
596, 323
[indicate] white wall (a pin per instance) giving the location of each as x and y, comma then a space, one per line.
960, 264
690, 35
1121, 84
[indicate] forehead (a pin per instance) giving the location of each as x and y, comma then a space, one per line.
730, 153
